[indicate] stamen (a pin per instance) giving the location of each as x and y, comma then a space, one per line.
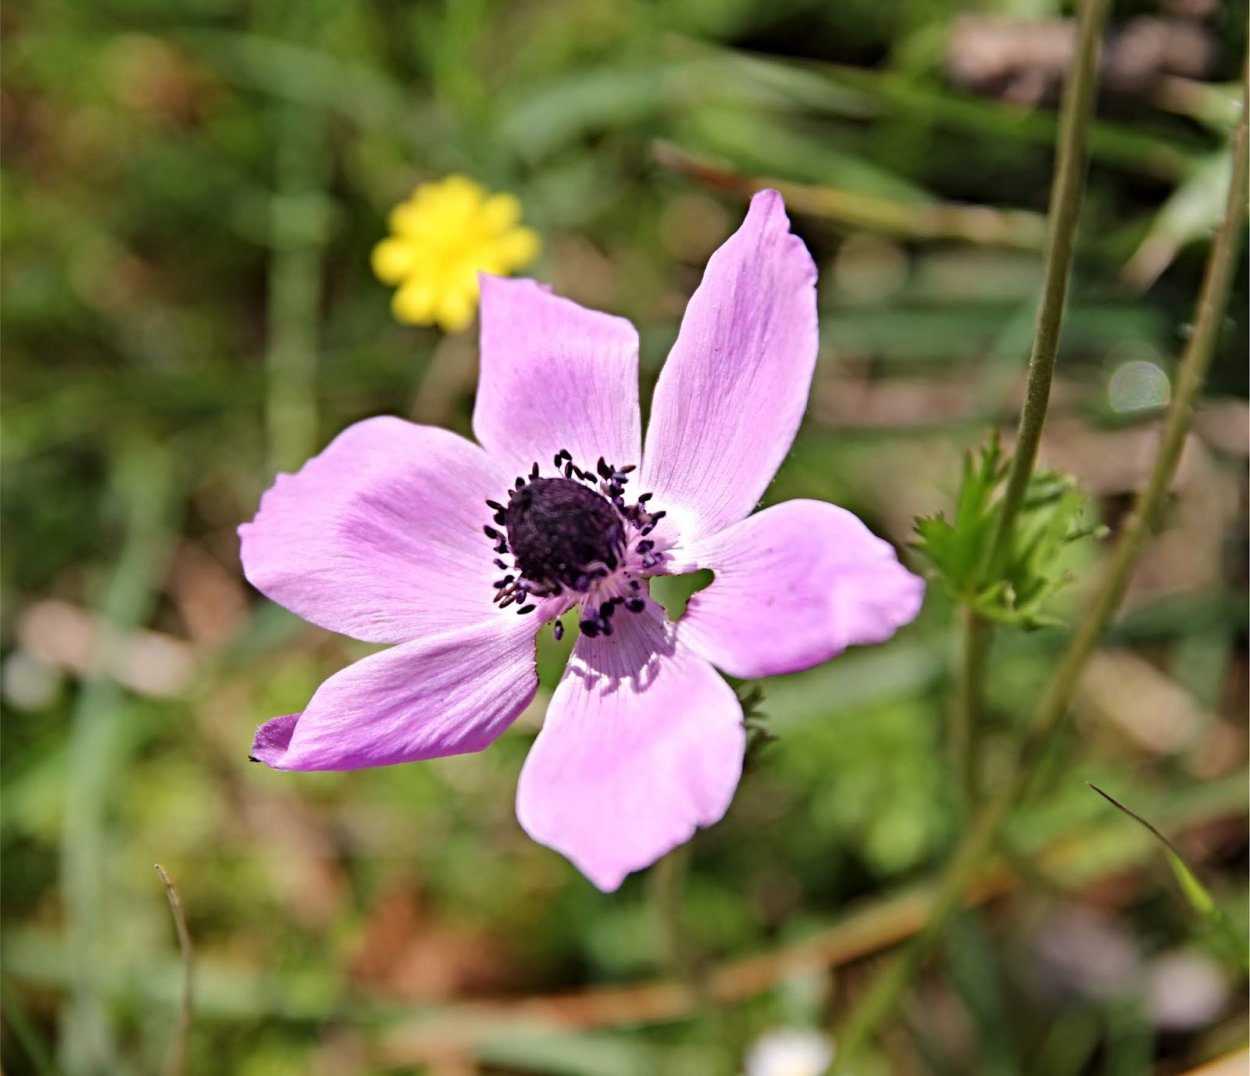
574, 537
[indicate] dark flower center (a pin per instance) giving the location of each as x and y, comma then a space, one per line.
576, 539
563, 533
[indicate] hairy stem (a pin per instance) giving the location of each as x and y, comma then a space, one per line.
886, 989
1065, 208
1066, 193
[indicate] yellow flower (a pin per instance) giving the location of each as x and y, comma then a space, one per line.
441, 237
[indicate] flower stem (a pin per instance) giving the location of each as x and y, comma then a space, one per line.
1076, 116
967, 717
1065, 208
886, 989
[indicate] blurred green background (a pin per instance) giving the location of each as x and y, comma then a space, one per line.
190, 193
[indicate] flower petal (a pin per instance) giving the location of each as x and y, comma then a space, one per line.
732, 393
795, 585
445, 695
643, 743
554, 376
380, 537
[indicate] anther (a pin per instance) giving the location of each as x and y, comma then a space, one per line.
526, 609
557, 630
635, 605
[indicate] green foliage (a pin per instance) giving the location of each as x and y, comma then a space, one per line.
1017, 585
874, 791
1231, 941
194, 186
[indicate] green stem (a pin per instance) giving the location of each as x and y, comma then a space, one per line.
968, 714
1064, 211
886, 989
1076, 116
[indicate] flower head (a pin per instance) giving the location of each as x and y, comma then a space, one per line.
459, 553
442, 237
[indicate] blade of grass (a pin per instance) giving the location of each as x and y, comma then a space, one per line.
144, 486
298, 230
982, 225
1195, 893
177, 1063
18, 1021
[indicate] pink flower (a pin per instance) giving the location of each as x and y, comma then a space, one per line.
412, 535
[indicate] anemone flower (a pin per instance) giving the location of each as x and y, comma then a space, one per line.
459, 553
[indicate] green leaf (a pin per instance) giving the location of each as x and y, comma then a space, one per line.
1020, 584
1195, 893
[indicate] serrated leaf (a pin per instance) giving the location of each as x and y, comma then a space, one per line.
1016, 587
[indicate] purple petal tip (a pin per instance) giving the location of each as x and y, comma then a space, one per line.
272, 740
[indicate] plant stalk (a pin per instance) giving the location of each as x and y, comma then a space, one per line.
1066, 195
887, 988
968, 712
